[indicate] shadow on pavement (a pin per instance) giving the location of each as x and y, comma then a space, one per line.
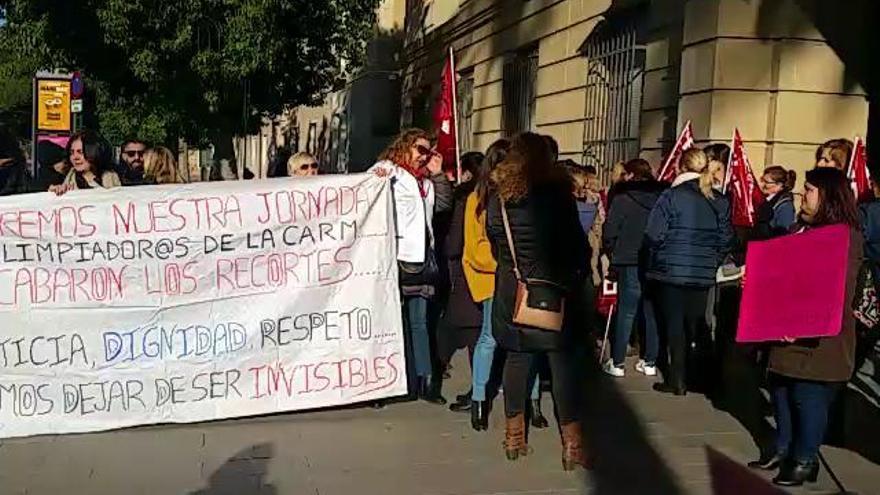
244, 473
625, 461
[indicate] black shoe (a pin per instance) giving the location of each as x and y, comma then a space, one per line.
462, 403
429, 391
768, 463
479, 415
537, 417
670, 389
795, 473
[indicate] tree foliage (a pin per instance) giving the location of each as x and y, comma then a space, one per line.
160, 69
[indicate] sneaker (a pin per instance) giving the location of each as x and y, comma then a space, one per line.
645, 368
615, 371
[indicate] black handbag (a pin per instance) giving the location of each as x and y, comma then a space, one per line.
417, 274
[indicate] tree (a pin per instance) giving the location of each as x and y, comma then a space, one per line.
203, 70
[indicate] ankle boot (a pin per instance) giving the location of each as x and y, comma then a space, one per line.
515, 444
572, 448
479, 415
462, 403
795, 473
537, 417
429, 391
768, 462
668, 388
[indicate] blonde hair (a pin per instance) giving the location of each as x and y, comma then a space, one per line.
161, 167
618, 171
297, 160
580, 182
694, 160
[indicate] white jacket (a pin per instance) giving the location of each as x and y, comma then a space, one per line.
412, 213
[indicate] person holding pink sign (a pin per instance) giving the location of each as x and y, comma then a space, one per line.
807, 373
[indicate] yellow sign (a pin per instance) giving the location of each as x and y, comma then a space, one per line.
53, 105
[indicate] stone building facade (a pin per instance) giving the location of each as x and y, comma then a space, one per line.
615, 79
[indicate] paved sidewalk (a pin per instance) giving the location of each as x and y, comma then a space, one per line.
407, 448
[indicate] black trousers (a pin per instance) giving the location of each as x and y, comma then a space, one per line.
516, 378
682, 313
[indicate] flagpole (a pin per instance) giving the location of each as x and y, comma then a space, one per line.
455, 115
729, 158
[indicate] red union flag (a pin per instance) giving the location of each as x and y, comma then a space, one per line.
858, 173
740, 179
445, 118
684, 142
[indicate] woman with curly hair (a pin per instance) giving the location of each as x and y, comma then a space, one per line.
420, 189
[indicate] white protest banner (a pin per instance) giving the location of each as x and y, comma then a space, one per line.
197, 302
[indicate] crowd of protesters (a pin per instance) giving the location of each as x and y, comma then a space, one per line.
523, 238
506, 261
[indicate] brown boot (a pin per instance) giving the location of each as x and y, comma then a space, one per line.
515, 437
572, 448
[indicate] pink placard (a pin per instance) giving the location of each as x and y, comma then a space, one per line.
795, 286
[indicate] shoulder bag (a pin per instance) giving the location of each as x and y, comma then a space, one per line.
538, 303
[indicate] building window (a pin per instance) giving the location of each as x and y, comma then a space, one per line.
518, 91
616, 67
465, 90
420, 109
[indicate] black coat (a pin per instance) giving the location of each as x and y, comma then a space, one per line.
624, 232
550, 245
774, 218
461, 310
14, 179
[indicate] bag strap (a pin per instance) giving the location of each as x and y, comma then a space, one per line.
509, 235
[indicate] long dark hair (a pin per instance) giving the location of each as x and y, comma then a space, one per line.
494, 155
837, 204
95, 150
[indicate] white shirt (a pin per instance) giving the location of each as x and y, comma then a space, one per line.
412, 213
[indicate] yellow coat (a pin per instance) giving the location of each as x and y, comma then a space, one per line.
477, 261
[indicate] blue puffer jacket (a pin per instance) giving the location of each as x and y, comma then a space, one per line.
688, 235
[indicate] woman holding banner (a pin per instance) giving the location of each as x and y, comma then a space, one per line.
807, 374
420, 189
541, 250
688, 235
91, 167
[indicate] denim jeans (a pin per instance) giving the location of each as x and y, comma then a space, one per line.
801, 411
484, 353
630, 305
417, 327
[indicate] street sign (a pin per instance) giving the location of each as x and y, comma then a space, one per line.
76, 106
53, 105
76, 85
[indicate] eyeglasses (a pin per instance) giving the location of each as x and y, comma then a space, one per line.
423, 150
306, 166
133, 153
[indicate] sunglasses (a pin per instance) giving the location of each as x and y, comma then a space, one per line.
132, 154
423, 150
306, 166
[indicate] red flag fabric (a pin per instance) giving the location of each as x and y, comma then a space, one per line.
684, 142
740, 179
445, 118
858, 173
